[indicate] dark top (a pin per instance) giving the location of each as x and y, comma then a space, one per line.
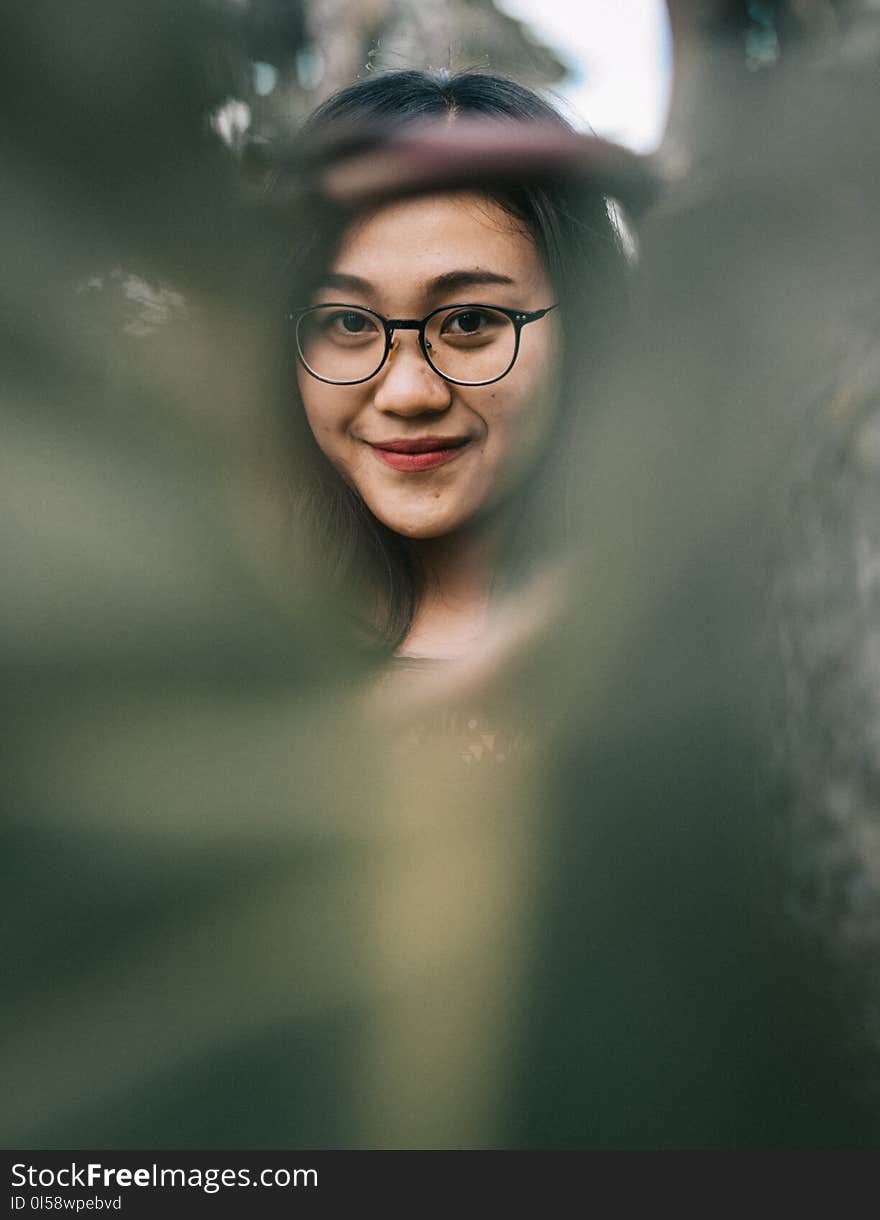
475, 732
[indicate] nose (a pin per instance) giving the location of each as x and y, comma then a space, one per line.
407, 385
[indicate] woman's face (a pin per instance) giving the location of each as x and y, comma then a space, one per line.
404, 260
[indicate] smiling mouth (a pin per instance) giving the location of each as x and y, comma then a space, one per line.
425, 454
421, 444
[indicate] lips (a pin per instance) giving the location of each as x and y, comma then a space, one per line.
423, 453
423, 444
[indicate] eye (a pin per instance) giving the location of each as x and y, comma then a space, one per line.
467, 322
350, 322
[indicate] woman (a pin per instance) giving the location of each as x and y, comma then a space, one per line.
437, 336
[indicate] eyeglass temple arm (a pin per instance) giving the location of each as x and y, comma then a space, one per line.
524, 318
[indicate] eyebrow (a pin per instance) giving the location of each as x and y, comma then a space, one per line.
447, 282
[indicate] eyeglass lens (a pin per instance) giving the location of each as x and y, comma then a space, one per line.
347, 344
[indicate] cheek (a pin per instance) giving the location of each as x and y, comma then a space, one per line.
520, 411
325, 412
329, 411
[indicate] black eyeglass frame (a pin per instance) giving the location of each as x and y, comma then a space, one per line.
519, 318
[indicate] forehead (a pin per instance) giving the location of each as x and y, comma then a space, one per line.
411, 241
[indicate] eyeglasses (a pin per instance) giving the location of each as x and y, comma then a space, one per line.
466, 344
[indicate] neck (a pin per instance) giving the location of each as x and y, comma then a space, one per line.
457, 573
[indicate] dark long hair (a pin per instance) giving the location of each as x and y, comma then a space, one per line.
578, 239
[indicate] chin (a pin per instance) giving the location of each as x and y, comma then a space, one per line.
422, 526
420, 531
